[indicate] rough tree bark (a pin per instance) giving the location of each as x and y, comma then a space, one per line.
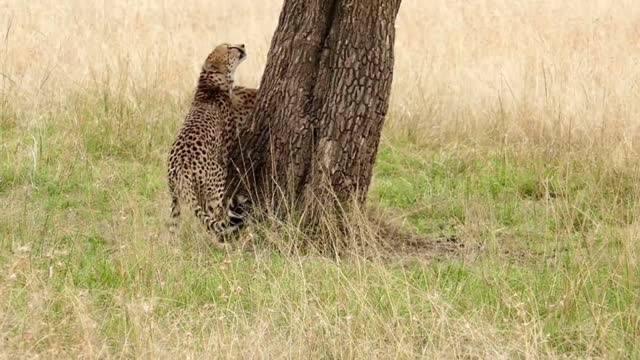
322, 100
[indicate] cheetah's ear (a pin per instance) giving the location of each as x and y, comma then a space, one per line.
209, 65
216, 61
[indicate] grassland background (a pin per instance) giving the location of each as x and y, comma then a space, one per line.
514, 128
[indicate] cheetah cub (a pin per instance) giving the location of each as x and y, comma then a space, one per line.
199, 157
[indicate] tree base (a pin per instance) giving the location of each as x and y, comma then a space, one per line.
362, 233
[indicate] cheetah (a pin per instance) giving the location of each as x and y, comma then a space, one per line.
198, 161
244, 100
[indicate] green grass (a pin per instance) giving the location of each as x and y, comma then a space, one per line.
88, 267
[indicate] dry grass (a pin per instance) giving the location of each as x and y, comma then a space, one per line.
513, 129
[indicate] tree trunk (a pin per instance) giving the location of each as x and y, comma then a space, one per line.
322, 100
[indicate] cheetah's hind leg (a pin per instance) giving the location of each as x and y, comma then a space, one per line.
212, 215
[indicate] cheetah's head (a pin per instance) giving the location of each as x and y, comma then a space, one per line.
225, 58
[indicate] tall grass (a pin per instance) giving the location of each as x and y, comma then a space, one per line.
510, 151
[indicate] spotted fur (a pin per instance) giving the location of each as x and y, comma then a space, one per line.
199, 157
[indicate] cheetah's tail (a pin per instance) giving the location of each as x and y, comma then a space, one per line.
238, 210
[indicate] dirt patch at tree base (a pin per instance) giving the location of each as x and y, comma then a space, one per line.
399, 242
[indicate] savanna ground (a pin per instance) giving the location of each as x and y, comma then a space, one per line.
512, 141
